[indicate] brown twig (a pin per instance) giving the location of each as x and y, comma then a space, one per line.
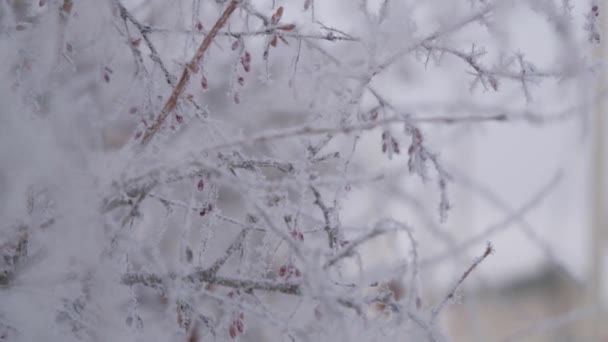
187, 73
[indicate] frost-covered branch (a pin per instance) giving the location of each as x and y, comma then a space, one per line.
452, 292
297, 191
205, 277
187, 73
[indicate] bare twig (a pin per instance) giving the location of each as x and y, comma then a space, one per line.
144, 31
452, 292
331, 231
494, 199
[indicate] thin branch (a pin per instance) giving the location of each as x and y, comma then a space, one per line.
492, 229
495, 200
144, 30
331, 231
252, 164
471, 60
423, 325
244, 284
307, 130
187, 73
349, 249
265, 32
303, 131
234, 246
154, 281
452, 292
441, 32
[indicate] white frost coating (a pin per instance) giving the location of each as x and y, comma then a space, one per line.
233, 220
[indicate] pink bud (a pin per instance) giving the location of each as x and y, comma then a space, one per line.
239, 325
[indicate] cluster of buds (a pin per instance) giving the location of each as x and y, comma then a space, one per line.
237, 327
288, 271
297, 235
206, 210
389, 144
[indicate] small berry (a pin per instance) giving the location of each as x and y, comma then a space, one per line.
246, 61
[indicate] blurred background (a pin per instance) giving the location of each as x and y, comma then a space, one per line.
547, 279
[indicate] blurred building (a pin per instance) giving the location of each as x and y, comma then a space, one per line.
541, 306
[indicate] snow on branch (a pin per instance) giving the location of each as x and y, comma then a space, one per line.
295, 191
